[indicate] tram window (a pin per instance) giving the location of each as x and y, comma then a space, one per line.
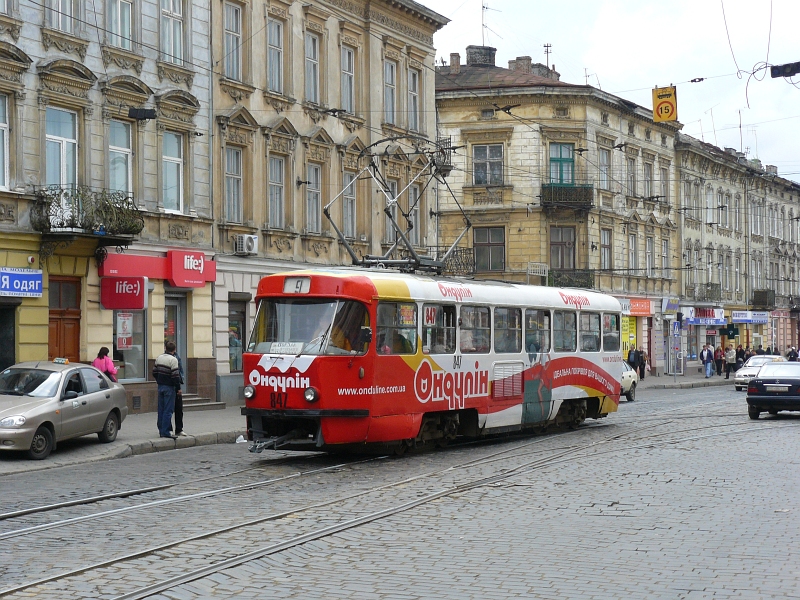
611, 333
397, 328
475, 328
565, 333
439, 329
590, 332
507, 330
537, 331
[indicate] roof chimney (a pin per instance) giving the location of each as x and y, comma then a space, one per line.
455, 63
772, 169
480, 56
523, 64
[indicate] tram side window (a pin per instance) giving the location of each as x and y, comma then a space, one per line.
590, 332
475, 329
565, 334
507, 330
611, 333
537, 331
397, 328
439, 329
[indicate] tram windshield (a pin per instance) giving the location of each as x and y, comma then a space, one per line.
309, 326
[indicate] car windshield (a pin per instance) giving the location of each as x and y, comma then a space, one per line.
29, 382
757, 361
780, 369
314, 326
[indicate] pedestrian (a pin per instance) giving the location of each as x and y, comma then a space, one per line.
760, 350
769, 350
730, 361
166, 372
792, 354
104, 363
642, 362
179, 401
719, 355
633, 358
747, 354
707, 358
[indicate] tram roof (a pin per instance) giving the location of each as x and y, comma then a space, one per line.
418, 286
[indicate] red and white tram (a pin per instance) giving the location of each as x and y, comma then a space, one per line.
353, 357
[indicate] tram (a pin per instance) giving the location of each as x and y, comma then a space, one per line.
352, 358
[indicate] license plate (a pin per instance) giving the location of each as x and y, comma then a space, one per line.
776, 388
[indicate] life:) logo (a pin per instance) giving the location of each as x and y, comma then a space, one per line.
574, 299
453, 387
458, 293
191, 263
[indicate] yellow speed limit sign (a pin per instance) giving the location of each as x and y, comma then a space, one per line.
665, 104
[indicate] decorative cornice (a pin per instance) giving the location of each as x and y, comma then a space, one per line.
65, 42
236, 89
10, 26
122, 58
175, 73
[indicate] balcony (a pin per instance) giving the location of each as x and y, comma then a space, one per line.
83, 210
709, 292
461, 261
575, 196
577, 278
763, 299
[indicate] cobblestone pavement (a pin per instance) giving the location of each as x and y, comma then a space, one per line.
678, 495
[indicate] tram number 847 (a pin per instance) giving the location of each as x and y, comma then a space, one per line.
278, 399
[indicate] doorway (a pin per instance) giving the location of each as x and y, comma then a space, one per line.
64, 336
8, 335
175, 328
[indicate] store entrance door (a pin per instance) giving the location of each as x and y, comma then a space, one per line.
64, 337
175, 328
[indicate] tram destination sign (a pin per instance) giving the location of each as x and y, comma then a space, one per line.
25, 283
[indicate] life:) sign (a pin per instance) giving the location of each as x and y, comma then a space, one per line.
123, 293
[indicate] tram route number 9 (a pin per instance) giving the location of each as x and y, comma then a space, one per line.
278, 399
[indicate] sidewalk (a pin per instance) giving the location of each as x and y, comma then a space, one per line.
137, 435
693, 378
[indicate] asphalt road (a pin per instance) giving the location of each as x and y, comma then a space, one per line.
677, 495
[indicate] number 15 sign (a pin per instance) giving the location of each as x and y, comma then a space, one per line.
665, 104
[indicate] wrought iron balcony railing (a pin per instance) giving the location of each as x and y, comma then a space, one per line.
764, 299
568, 195
100, 212
577, 278
460, 262
708, 292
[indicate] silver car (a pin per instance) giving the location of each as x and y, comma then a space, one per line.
751, 368
42, 403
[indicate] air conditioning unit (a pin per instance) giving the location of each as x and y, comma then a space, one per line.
245, 245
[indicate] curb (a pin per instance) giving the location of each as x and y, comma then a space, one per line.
688, 385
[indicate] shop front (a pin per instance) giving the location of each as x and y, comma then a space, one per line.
671, 336
701, 325
753, 328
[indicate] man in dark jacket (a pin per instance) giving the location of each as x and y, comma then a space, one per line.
633, 358
166, 372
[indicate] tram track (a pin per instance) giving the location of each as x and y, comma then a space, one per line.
554, 458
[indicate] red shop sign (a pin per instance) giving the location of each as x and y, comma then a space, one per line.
180, 268
125, 293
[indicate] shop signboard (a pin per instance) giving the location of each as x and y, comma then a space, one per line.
755, 317
641, 307
123, 293
25, 283
703, 316
181, 268
670, 306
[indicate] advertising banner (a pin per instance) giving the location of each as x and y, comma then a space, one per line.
124, 331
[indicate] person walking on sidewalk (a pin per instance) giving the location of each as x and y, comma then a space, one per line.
166, 372
707, 358
730, 361
791, 356
179, 401
642, 364
633, 358
719, 355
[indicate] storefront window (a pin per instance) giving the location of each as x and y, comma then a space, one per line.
130, 349
691, 350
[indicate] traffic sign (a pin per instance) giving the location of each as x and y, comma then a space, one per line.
676, 327
665, 104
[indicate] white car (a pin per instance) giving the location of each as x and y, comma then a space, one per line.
751, 368
630, 379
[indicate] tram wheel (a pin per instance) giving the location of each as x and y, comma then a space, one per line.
400, 449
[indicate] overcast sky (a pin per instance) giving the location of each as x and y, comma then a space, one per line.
629, 46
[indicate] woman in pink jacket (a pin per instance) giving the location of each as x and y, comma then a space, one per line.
105, 364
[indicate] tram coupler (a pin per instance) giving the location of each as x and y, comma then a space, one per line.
257, 447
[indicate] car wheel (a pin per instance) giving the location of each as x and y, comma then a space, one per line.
110, 428
631, 395
753, 412
42, 444
738, 388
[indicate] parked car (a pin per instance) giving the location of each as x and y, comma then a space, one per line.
630, 379
750, 369
775, 388
43, 403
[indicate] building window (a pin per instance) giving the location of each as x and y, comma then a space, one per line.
605, 166
276, 190
631, 163
649, 256
172, 31
120, 13
487, 164
605, 249
313, 199
62, 148
665, 270
233, 184
562, 163
172, 164
389, 91
413, 214
348, 80
664, 185
633, 256
737, 207
312, 68
727, 273
59, 15
648, 180
4, 142
237, 312
710, 206
562, 247
390, 233
349, 205
120, 160
490, 248
413, 99
233, 41
130, 344
275, 56
737, 267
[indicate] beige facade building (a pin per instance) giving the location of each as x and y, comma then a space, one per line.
563, 184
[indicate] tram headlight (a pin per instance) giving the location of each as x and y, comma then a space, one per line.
311, 394
249, 391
